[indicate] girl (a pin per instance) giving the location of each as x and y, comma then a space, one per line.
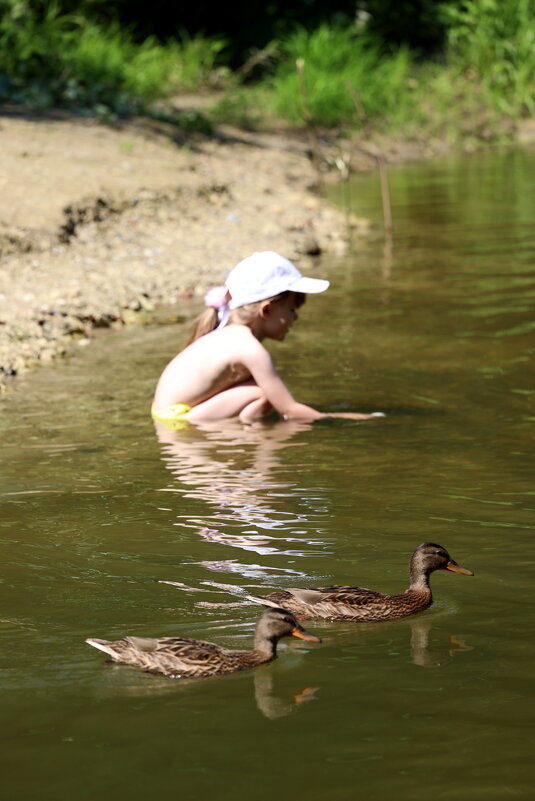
224, 370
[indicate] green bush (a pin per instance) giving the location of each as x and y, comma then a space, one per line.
335, 59
48, 58
491, 43
348, 78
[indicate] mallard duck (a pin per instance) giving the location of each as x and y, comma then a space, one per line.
180, 657
341, 602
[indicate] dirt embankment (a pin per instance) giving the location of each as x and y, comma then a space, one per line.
100, 225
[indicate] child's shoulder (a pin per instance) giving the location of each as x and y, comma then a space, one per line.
237, 331
241, 337
236, 337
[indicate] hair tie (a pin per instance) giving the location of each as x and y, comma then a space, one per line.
216, 297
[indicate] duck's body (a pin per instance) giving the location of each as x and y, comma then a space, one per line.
181, 657
341, 602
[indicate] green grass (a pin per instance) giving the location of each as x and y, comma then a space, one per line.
477, 90
491, 44
333, 59
246, 107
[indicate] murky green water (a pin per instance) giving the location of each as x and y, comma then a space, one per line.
95, 512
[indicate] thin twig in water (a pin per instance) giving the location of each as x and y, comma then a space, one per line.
313, 141
379, 160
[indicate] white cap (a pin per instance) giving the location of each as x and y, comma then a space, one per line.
266, 274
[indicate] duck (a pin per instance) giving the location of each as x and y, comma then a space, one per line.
341, 602
182, 657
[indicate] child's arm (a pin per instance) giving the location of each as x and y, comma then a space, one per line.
276, 391
262, 369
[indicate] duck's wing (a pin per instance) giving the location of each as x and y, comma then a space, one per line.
176, 656
300, 600
178, 646
346, 592
337, 595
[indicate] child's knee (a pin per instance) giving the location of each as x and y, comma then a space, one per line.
255, 410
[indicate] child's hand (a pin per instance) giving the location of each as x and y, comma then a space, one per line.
355, 415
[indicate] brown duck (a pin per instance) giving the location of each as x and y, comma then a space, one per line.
180, 657
341, 602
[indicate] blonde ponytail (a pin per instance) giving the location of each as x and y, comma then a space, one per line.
203, 324
216, 299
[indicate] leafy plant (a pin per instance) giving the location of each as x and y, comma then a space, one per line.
492, 43
50, 58
336, 58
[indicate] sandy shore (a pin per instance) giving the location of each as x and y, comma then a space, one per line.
99, 226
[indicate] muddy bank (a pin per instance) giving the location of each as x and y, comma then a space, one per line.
99, 226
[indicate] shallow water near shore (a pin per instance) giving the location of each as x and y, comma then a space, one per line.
96, 513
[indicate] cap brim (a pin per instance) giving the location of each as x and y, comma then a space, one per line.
309, 286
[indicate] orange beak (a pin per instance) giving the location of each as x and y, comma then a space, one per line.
303, 634
455, 568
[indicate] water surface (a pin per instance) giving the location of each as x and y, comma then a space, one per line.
96, 513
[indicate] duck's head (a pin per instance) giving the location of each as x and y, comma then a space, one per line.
275, 623
429, 557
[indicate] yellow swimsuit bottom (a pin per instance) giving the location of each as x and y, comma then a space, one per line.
173, 417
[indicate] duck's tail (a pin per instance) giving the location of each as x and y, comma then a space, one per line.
262, 601
102, 645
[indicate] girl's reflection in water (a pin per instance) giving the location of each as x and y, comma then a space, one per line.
236, 471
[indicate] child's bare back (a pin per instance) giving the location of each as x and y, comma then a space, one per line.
215, 362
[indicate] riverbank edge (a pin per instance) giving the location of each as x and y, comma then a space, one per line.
143, 218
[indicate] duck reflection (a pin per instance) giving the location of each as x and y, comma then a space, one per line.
422, 652
271, 700
236, 471
273, 704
